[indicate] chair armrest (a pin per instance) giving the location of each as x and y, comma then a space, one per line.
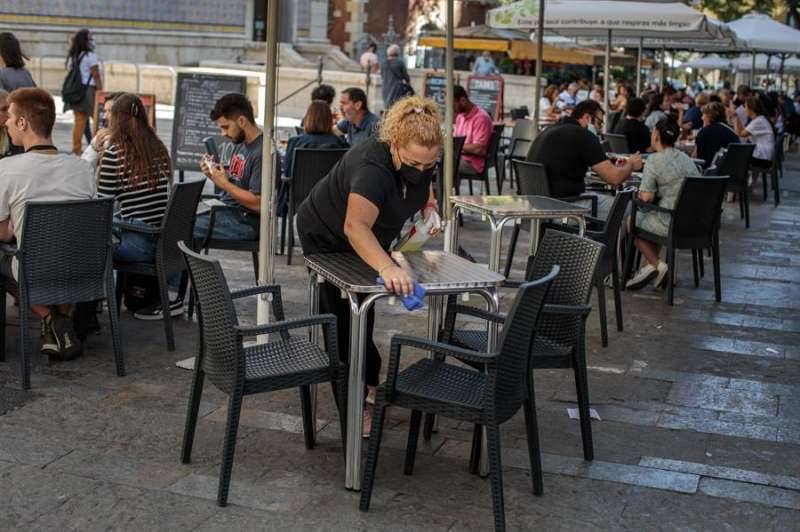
286, 325
443, 349
496, 317
136, 228
644, 207
568, 310
256, 290
583, 197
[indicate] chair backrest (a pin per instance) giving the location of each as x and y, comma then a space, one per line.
532, 178
614, 220
309, 166
65, 251
494, 144
578, 258
178, 224
516, 343
520, 148
221, 359
299, 130
618, 143
605, 145
523, 129
697, 211
736, 162
612, 119
458, 148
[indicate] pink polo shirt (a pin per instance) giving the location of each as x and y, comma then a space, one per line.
476, 126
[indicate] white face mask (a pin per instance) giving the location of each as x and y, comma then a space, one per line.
593, 129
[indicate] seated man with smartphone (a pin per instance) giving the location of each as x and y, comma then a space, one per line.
241, 185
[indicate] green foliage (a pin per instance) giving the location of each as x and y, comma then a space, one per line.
727, 10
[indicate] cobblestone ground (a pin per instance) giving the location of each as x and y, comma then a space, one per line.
700, 430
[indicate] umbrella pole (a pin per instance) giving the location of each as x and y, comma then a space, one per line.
266, 255
753, 70
780, 74
447, 186
639, 67
607, 80
663, 66
537, 92
769, 61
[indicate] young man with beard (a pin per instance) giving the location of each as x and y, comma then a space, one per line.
241, 184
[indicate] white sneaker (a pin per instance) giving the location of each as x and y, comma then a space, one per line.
645, 274
155, 313
661, 279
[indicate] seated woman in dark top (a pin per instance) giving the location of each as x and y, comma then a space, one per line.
318, 126
715, 135
633, 127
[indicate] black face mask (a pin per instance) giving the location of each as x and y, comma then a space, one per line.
412, 176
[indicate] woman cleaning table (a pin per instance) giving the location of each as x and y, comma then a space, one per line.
362, 205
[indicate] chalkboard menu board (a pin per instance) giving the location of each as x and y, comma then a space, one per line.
435, 88
487, 92
148, 100
195, 96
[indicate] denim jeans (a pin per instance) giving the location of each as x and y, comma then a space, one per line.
133, 246
228, 225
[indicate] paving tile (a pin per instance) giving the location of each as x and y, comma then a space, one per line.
265, 420
721, 472
765, 387
718, 398
31, 453
739, 430
241, 493
740, 491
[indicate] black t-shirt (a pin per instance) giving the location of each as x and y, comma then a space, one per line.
566, 150
366, 170
636, 132
711, 138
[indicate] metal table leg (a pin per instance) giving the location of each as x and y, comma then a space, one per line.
534, 242
496, 241
355, 390
313, 335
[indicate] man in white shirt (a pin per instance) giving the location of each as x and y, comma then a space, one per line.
39, 174
569, 98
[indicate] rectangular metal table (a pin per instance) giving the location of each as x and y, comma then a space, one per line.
440, 273
499, 210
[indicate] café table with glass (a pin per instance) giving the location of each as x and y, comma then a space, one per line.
499, 210
440, 274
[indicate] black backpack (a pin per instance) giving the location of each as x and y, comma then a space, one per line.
73, 90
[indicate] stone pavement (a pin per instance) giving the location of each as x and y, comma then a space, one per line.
700, 430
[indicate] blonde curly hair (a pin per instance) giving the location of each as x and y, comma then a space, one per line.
412, 119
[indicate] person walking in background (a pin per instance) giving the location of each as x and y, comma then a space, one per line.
13, 74
369, 59
396, 82
82, 56
484, 66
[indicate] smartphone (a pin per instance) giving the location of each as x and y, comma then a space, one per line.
211, 149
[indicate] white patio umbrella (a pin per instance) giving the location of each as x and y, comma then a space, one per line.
607, 18
760, 33
710, 62
745, 63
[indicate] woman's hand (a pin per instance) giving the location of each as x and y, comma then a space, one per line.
397, 280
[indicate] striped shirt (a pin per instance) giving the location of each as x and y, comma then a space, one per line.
141, 202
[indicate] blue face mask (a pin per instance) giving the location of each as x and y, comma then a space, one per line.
93, 46
593, 129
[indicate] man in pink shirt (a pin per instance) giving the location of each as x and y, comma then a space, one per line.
475, 124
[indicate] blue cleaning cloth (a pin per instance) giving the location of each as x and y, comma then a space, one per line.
414, 301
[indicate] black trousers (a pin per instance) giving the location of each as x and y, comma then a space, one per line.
331, 302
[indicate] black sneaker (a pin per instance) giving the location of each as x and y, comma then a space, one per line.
60, 340
155, 313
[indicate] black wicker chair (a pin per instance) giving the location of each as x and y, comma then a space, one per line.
617, 142
487, 398
517, 148
736, 164
309, 166
177, 225
458, 145
65, 257
286, 362
533, 180
490, 162
771, 173
694, 224
561, 333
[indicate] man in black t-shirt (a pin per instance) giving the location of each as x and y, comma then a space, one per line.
568, 149
636, 133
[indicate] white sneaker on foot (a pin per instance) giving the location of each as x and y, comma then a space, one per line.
661, 279
645, 274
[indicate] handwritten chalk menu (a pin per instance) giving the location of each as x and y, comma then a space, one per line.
98, 120
195, 96
435, 88
487, 92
